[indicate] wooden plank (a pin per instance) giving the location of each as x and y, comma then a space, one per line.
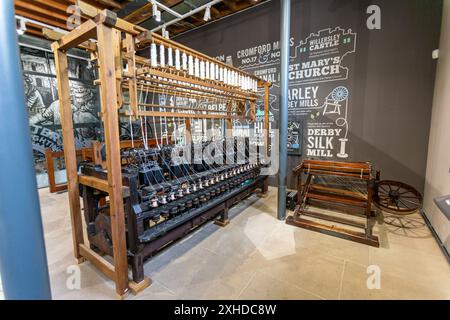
118, 72
94, 182
129, 40
334, 231
100, 184
333, 218
139, 287
350, 193
140, 15
230, 4
328, 197
40, 9
97, 260
50, 170
41, 18
80, 34
62, 7
65, 110
107, 37
55, 36
89, 11
110, 4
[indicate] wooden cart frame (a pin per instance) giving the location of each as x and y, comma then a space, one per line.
308, 190
116, 42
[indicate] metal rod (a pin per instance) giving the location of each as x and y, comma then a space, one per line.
41, 24
186, 15
165, 8
23, 260
285, 23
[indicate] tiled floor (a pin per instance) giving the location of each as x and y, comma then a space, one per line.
258, 257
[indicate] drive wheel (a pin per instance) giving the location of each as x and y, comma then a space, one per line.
397, 197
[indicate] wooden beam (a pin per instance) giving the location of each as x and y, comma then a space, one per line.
101, 16
40, 9
98, 261
140, 15
129, 40
80, 34
105, 4
55, 36
70, 157
41, 18
230, 4
107, 37
62, 7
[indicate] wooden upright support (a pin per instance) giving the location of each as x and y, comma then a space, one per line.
70, 156
132, 71
107, 37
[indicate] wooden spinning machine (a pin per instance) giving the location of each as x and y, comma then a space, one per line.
115, 194
351, 188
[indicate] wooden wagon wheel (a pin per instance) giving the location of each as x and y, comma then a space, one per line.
397, 197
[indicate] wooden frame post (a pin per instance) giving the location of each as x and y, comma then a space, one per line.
70, 156
107, 37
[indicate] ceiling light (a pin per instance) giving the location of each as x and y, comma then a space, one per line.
165, 33
207, 15
156, 12
22, 27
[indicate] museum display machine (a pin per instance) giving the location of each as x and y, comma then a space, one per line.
138, 199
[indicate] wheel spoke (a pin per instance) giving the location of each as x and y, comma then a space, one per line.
407, 207
414, 203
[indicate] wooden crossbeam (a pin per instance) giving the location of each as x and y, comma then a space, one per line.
55, 36
153, 72
77, 36
97, 260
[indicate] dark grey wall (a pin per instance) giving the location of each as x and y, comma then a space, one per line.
390, 79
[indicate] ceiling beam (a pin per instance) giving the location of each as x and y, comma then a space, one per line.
41, 18
198, 21
230, 4
107, 3
39, 9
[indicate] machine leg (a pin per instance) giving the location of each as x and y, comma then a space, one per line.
264, 188
140, 282
137, 267
223, 220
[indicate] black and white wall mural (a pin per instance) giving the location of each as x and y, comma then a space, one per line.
43, 105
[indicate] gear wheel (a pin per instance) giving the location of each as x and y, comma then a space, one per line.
339, 94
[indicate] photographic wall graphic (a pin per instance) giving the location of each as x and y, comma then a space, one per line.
42, 104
